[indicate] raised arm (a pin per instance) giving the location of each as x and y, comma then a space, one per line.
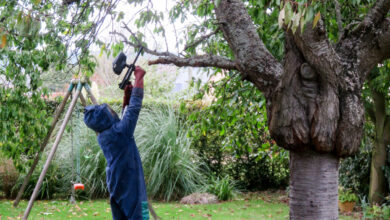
130, 117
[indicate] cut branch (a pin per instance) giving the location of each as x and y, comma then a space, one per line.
253, 60
197, 61
201, 39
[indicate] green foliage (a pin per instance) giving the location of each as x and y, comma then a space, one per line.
37, 36
375, 211
171, 168
223, 188
57, 182
232, 137
346, 195
354, 172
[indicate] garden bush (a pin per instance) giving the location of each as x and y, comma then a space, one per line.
354, 172
232, 137
224, 188
8, 176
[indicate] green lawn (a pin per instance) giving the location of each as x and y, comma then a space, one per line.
255, 206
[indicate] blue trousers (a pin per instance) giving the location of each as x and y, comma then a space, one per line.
117, 213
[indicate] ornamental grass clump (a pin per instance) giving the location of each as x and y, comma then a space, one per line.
224, 188
171, 168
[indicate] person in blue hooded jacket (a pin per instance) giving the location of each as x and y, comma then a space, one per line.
125, 177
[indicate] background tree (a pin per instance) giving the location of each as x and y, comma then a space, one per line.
313, 86
38, 35
377, 106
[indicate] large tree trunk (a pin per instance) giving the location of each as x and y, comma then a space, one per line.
314, 100
313, 185
305, 116
378, 186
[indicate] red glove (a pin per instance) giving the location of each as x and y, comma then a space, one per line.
139, 74
127, 94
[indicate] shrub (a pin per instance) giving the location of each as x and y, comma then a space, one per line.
375, 211
171, 168
8, 176
245, 151
223, 188
58, 180
346, 195
354, 172
52, 185
232, 137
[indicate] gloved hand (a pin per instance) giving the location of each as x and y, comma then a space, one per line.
139, 74
127, 94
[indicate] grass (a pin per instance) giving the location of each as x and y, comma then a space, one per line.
262, 205
172, 169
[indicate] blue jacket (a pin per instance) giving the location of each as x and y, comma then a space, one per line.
125, 177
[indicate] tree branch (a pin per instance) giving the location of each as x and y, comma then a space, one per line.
339, 18
377, 14
374, 48
253, 60
315, 47
201, 39
384, 39
146, 49
169, 58
197, 61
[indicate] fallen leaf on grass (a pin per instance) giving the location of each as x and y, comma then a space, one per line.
95, 213
180, 210
207, 215
46, 213
192, 215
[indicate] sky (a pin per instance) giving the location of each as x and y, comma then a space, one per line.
185, 74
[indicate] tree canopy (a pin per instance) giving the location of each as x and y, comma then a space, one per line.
38, 36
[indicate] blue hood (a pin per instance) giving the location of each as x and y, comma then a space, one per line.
98, 117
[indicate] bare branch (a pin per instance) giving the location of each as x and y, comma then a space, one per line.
197, 61
253, 59
201, 39
147, 50
132, 34
339, 18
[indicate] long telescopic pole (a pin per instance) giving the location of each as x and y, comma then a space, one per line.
43, 145
52, 152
